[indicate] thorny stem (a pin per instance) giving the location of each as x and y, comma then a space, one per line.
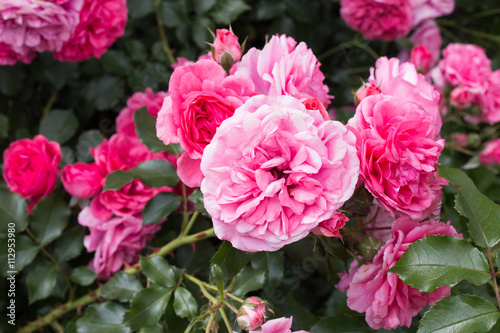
493, 275
163, 36
93, 295
51, 258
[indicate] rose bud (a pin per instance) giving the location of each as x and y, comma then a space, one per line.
365, 91
252, 313
226, 48
421, 58
82, 180
314, 104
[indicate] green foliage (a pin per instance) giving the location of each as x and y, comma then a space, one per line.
83, 276
342, 324
159, 207
121, 287
59, 125
25, 252
184, 303
49, 218
41, 281
145, 127
105, 317
148, 306
437, 261
12, 210
69, 246
462, 313
159, 271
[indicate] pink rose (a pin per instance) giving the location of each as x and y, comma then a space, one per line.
226, 42
281, 70
398, 147
101, 23
252, 313
429, 35
387, 301
421, 57
459, 139
278, 325
367, 89
402, 81
378, 19
9, 57
31, 25
201, 97
150, 100
274, 171
430, 9
115, 241
347, 276
82, 180
490, 155
181, 61
315, 104
31, 168
490, 112
331, 227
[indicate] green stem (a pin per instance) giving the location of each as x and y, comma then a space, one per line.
471, 32
201, 284
486, 13
226, 321
185, 215
49, 104
95, 294
336, 49
493, 275
210, 323
51, 258
163, 35
190, 223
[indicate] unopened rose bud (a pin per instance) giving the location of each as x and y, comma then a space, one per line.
421, 58
252, 313
365, 91
315, 104
226, 43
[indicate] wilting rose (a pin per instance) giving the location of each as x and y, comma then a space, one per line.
31, 168
490, 155
386, 300
398, 148
101, 23
274, 171
82, 180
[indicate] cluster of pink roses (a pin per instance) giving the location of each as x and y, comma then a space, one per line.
74, 30
258, 141
391, 19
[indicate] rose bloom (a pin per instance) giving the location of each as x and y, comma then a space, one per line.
398, 147
252, 313
421, 57
367, 89
278, 325
402, 81
331, 227
429, 9
181, 61
387, 301
30, 25
201, 97
378, 19
226, 42
274, 171
82, 180
282, 68
102, 22
428, 35
115, 241
9, 57
490, 155
490, 111
150, 100
31, 168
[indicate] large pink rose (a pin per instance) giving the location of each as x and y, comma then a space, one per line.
31, 25
150, 100
387, 301
378, 19
402, 81
115, 241
101, 23
201, 97
31, 168
278, 325
490, 155
398, 150
274, 171
282, 68
9, 57
82, 180
430, 9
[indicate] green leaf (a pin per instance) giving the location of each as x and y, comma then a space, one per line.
4, 126
203, 6
12, 78
49, 218
171, 13
121, 287
184, 303
145, 127
197, 198
230, 260
483, 214
159, 207
153, 173
218, 278
152, 329
116, 62
83, 276
41, 280
437, 261
105, 91
139, 8
59, 125
273, 263
226, 11
249, 279
200, 33
12, 210
135, 48
105, 317
69, 246
462, 313
148, 306
23, 249
342, 323
159, 271
59, 73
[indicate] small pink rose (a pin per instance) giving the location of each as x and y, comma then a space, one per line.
331, 227
252, 313
490, 155
366, 90
421, 58
82, 180
226, 43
